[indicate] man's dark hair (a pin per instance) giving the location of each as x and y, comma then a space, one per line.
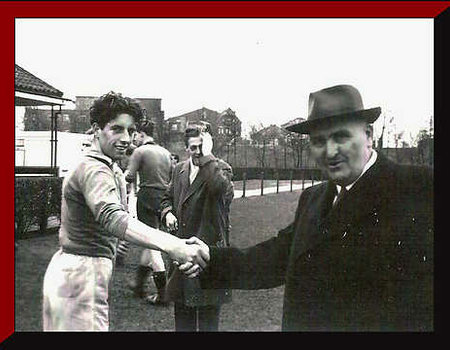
191, 131
176, 157
108, 106
147, 126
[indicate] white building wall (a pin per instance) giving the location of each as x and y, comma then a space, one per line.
36, 149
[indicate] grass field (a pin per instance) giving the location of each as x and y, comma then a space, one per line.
253, 219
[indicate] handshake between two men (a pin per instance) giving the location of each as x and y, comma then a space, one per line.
196, 257
198, 253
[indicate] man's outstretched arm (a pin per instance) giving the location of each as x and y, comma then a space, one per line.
259, 267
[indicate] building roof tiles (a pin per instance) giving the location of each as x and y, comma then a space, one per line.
27, 82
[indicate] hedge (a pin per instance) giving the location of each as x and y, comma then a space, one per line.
38, 198
35, 200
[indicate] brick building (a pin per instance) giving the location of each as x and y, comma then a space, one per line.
77, 120
150, 106
225, 127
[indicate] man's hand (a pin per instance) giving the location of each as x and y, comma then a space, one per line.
189, 269
194, 253
207, 143
171, 222
122, 248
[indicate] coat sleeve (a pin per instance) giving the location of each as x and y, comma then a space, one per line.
228, 199
167, 198
261, 266
217, 173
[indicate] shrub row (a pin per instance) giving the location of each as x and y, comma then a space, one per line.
38, 198
35, 200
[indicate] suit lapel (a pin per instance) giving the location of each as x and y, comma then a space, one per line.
363, 199
190, 188
326, 198
318, 224
183, 183
310, 221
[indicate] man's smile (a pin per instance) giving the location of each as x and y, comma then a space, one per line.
121, 148
334, 165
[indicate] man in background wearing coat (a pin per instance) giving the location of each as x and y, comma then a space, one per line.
363, 262
197, 203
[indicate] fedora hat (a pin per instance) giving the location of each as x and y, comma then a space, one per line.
336, 103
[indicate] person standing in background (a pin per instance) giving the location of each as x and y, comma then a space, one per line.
93, 217
197, 202
153, 164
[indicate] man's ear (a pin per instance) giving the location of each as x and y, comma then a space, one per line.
369, 131
95, 128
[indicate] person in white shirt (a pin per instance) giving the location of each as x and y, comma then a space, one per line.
197, 202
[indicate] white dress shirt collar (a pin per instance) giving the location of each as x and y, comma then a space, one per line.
370, 162
193, 171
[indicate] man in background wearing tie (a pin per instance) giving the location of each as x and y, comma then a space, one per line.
197, 203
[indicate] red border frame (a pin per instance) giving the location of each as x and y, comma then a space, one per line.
158, 9
221, 9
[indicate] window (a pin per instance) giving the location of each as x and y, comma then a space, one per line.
173, 127
20, 142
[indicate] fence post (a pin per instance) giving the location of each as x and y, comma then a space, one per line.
262, 183
303, 179
244, 178
312, 177
292, 177
278, 181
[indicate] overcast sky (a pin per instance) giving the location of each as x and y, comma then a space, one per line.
264, 69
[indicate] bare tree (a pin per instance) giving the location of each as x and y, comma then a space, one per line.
258, 144
297, 144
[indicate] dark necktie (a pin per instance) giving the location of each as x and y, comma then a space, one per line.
341, 195
329, 201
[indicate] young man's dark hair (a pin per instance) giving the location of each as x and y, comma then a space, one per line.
191, 131
194, 130
108, 106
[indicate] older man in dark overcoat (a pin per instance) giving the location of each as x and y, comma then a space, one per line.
197, 202
358, 255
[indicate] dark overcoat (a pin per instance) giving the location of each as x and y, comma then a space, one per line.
202, 210
366, 264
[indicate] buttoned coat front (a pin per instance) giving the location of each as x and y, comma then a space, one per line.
202, 210
365, 265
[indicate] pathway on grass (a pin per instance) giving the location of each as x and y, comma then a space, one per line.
269, 190
54, 222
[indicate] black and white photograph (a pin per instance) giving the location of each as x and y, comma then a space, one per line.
224, 174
